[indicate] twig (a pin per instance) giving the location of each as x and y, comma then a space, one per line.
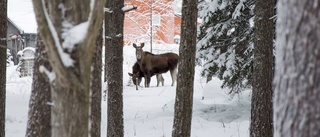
200, 124
223, 125
136, 115
134, 130
161, 92
163, 130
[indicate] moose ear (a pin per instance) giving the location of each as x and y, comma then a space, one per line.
142, 45
130, 74
134, 45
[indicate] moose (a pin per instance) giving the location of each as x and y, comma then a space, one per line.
137, 75
152, 64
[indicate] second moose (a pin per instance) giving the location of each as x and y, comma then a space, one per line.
151, 64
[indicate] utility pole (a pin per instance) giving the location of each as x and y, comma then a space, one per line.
151, 12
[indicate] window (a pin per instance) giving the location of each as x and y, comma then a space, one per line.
156, 20
177, 39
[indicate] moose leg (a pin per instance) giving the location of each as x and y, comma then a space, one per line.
148, 80
160, 79
174, 73
139, 81
145, 81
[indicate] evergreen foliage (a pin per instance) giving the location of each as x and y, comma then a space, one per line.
224, 46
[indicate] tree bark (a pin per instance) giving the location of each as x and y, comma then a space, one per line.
70, 86
39, 111
96, 88
3, 65
296, 104
114, 63
184, 93
261, 107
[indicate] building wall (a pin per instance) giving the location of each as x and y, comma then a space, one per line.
17, 42
12, 30
137, 22
13, 41
30, 39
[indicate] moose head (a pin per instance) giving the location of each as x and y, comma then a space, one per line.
139, 50
136, 78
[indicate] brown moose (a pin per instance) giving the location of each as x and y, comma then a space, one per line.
137, 76
152, 64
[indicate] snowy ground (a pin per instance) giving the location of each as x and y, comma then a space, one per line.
148, 112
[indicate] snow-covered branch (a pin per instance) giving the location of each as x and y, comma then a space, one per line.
65, 57
74, 34
116, 36
108, 10
129, 8
50, 75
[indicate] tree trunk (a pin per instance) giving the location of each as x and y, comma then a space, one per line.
70, 57
39, 111
96, 88
184, 94
114, 63
296, 104
3, 65
261, 107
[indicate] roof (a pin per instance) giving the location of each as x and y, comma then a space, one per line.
21, 14
15, 25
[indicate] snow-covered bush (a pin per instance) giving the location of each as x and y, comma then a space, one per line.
9, 58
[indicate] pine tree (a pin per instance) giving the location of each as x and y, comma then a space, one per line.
224, 45
3, 64
297, 74
114, 19
39, 114
261, 124
96, 83
184, 97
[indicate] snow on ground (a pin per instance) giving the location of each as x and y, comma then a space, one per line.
17, 102
149, 112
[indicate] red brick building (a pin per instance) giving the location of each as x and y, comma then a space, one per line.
165, 23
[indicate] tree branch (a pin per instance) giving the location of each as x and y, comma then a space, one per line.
127, 9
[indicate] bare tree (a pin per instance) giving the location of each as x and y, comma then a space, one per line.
69, 30
150, 23
39, 115
114, 17
296, 103
184, 94
261, 107
96, 88
3, 64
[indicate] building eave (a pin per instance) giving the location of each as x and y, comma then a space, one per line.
15, 25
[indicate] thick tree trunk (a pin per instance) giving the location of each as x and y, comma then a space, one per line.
184, 94
296, 104
70, 110
261, 107
71, 62
114, 63
39, 111
96, 88
3, 65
